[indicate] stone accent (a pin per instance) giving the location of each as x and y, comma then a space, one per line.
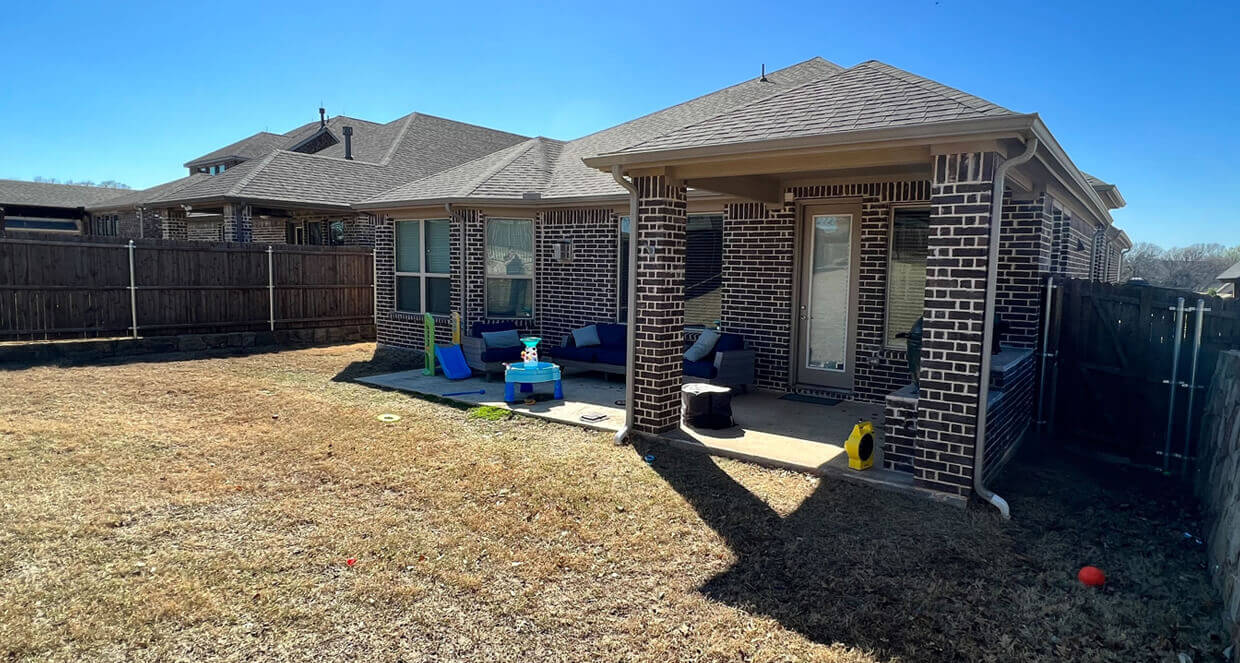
585, 289
1218, 485
947, 406
660, 233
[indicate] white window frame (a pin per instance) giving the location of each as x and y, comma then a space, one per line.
532, 278
421, 275
891, 238
719, 321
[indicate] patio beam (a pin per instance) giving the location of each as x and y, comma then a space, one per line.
759, 188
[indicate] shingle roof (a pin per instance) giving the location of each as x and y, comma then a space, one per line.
554, 168
871, 95
247, 148
1232, 272
143, 196
44, 194
409, 148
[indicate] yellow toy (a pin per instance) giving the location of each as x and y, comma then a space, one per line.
860, 446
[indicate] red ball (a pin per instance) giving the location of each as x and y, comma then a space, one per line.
1091, 576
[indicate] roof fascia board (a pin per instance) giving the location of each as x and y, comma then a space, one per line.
1073, 176
973, 129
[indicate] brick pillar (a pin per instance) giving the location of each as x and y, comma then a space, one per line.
359, 230
173, 224
238, 224
1024, 262
951, 356
660, 304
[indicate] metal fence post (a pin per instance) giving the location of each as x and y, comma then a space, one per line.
1173, 382
271, 290
1192, 384
133, 294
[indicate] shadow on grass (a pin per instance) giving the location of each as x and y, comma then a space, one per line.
385, 360
902, 577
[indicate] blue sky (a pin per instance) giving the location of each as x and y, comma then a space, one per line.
1141, 95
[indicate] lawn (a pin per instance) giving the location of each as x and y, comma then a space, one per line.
207, 508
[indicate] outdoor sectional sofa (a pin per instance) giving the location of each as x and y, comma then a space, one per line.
729, 364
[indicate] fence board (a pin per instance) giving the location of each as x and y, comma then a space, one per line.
74, 288
1117, 345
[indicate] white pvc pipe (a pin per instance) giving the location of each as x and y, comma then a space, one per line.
271, 291
133, 293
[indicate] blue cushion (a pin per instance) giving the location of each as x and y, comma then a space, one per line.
611, 334
699, 369
481, 327
501, 354
586, 336
575, 354
703, 347
730, 342
509, 338
613, 356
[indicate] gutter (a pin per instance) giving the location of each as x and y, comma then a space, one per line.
630, 335
988, 326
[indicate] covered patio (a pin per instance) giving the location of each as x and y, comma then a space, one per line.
771, 430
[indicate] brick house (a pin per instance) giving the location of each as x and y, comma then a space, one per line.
48, 210
297, 187
817, 211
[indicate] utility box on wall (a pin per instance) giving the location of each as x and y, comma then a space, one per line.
562, 251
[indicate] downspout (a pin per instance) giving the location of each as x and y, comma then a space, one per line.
630, 327
988, 326
464, 270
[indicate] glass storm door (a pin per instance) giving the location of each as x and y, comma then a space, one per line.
824, 355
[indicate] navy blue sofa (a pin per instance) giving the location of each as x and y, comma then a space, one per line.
488, 360
729, 364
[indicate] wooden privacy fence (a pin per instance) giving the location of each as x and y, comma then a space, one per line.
68, 288
1120, 383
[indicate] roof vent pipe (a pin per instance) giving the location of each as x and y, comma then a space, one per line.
348, 143
763, 79
322, 117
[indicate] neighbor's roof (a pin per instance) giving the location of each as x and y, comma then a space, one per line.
1232, 272
143, 196
871, 95
44, 194
384, 155
554, 169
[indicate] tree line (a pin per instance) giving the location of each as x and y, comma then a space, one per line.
106, 184
1194, 267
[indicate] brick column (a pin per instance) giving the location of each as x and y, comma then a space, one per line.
660, 304
947, 405
1024, 262
173, 225
359, 230
238, 225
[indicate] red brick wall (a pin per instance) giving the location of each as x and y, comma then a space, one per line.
569, 295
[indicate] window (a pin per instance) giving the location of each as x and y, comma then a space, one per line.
510, 268
906, 272
336, 234
106, 225
40, 223
422, 254
703, 270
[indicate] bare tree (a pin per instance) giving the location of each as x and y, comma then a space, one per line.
1193, 267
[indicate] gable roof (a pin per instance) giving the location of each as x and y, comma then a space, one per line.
554, 169
45, 194
871, 95
1232, 272
247, 148
408, 148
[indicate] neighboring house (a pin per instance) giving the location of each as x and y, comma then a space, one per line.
1230, 278
49, 209
818, 212
298, 187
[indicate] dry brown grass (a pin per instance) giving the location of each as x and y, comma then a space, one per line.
163, 511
